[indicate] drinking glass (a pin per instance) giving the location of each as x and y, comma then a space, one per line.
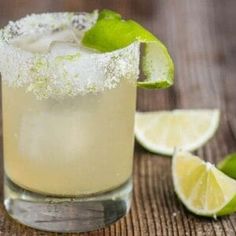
68, 119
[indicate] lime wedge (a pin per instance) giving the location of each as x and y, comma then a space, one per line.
202, 188
228, 165
162, 131
111, 32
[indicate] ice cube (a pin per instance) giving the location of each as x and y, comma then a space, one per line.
60, 48
41, 43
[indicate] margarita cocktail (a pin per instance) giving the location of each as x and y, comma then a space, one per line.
68, 118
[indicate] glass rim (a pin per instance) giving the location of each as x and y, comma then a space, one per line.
76, 73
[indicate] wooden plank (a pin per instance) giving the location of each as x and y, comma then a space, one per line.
201, 37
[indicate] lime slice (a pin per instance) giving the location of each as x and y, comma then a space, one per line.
201, 187
111, 32
228, 165
160, 132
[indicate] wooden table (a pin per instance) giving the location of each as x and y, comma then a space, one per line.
201, 36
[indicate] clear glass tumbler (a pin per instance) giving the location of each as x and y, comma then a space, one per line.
68, 118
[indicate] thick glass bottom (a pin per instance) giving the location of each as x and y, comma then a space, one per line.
63, 214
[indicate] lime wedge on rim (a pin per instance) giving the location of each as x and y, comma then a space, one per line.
201, 187
111, 32
228, 165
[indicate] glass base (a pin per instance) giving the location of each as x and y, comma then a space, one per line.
62, 214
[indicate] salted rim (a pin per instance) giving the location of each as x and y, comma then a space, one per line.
54, 74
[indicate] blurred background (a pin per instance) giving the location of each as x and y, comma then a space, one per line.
201, 37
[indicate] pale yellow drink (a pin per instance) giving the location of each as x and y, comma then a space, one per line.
73, 146
70, 145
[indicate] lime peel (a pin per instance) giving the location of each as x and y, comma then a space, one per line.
111, 32
228, 165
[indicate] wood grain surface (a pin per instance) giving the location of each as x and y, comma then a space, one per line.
201, 36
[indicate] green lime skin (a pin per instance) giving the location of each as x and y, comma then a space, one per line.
228, 165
